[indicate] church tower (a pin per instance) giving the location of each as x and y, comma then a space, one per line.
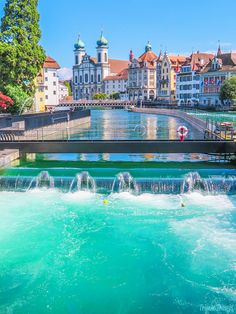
79, 51
102, 58
102, 50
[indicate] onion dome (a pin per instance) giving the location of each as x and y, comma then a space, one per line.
148, 47
102, 41
80, 44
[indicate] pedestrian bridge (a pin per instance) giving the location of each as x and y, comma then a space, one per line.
102, 103
121, 146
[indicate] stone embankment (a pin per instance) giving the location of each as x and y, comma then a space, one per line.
199, 124
42, 126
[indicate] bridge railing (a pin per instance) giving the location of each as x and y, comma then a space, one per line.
139, 132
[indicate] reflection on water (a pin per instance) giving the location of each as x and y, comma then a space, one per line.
172, 127
123, 125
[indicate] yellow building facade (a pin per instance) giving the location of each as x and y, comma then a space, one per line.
169, 66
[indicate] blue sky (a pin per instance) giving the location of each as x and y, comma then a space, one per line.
178, 26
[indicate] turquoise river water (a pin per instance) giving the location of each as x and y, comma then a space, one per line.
71, 253
118, 241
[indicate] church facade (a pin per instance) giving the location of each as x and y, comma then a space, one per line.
89, 72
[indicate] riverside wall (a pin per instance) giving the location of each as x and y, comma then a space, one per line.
56, 125
199, 124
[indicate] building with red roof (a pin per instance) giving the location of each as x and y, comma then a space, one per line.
142, 75
168, 67
117, 84
221, 67
188, 79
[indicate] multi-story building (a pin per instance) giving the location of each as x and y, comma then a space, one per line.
51, 81
62, 91
89, 73
188, 79
168, 68
117, 84
142, 75
221, 67
47, 85
39, 98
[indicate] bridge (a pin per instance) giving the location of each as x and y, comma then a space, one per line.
121, 146
101, 103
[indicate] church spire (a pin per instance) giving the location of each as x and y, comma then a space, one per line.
219, 52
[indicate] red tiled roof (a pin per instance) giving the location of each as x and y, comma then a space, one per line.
123, 75
199, 60
50, 63
177, 59
148, 56
227, 61
116, 66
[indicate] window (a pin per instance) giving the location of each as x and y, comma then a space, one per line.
80, 79
54, 83
76, 60
54, 74
46, 70
41, 99
86, 78
76, 80
99, 57
54, 93
99, 78
105, 57
46, 96
46, 78
92, 78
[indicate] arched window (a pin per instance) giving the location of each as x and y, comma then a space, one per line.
99, 57
92, 78
86, 78
76, 60
99, 78
80, 79
105, 55
76, 79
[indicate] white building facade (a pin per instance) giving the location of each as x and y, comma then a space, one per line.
188, 79
51, 82
117, 84
62, 91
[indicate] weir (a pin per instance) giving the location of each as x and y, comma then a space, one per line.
123, 182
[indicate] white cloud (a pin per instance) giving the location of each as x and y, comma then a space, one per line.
65, 73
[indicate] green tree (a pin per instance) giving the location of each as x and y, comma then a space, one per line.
67, 84
20, 53
21, 99
100, 96
115, 96
228, 90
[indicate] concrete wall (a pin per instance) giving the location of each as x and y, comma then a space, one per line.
33, 121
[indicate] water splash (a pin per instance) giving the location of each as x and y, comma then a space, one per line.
194, 182
85, 182
124, 182
44, 180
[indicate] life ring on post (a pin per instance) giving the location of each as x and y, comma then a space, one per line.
182, 132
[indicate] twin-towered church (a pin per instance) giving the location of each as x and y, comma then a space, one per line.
89, 72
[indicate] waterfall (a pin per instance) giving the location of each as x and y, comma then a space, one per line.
194, 182
44, 180
124, 182
85, 182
